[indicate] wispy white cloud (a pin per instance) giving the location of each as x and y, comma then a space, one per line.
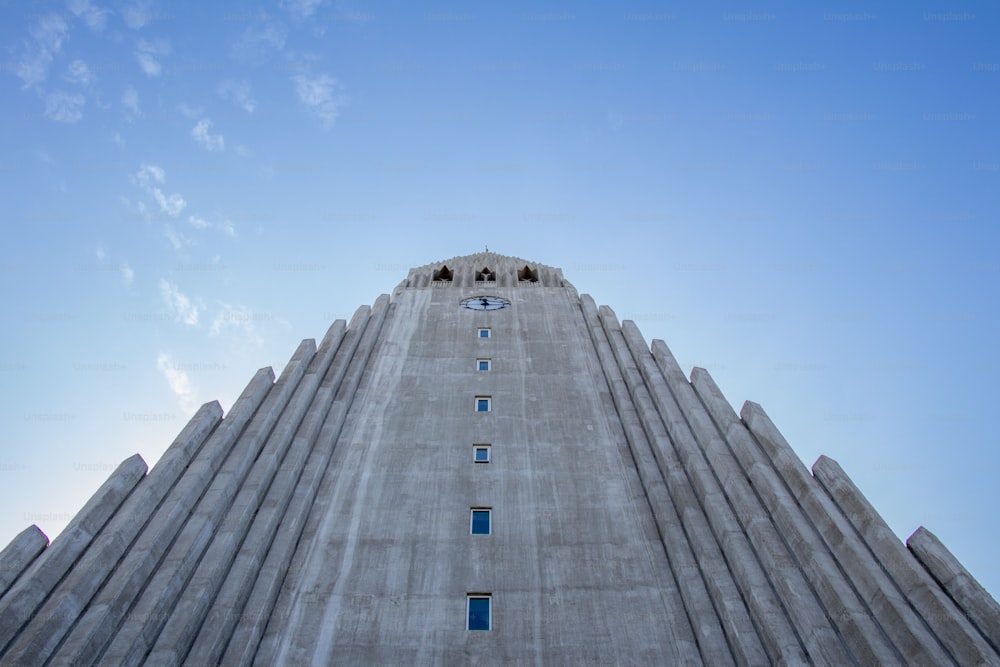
179, 304
238, 92
99, 252
79, 73
64, 107
176, 238
147, 54
228, 228
240, 320
190, 112
95, 17
212, 142
178, 381
47, 37
259, 42
321, 96
197, 223
138, 14
300, 9
130, 100
128, 275
149, 178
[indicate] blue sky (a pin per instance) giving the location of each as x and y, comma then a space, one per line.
802, 198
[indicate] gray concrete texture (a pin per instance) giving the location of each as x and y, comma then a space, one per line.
635, 517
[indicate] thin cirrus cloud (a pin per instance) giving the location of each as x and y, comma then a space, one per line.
79, 72
211, 142
130, 100
148, 53
149, 178
178, 304
64, 107
178, 381
93, 16
47, 37
237, 92
321, 96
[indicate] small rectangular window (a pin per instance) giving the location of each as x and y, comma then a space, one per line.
483, 403
483, 364
478, 607
484, 333
481, 453
480, 521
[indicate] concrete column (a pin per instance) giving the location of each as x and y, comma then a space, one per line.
949, 625
17, 556
21, 602
218, 565
258, 637
696, 494
152, 610
105, 613
900, 622
704, 639
67, 601
973, 600
230, 608
848, 613
787, 612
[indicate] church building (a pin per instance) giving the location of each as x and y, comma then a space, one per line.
485, 467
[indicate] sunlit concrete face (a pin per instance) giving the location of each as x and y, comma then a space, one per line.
612, 511
571, 552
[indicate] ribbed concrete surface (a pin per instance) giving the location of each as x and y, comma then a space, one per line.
636, 519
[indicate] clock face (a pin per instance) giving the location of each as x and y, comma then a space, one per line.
485, 303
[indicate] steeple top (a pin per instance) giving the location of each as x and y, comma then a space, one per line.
488, 269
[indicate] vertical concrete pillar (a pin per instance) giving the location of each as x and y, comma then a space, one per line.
945, 621
229, 609
686, 595
697, 495
852, 618
900, 622
67, 601
153, 608
107, 611
974, 601
785, 604
18, 555
257, 638
217, 565
21, 602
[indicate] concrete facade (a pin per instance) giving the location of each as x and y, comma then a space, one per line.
635, 518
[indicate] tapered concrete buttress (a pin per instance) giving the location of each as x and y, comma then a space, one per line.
259, 607
114, 602
711, 641
696, 503
907, 630
18, 555
974, 601
800, 616
157, 603
21, 602
950, 626
67, 601
229, 606
846, 610
178, 634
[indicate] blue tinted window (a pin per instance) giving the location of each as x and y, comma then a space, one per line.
482, 454
482, 405
480, 522
484, 333
479, 613
484, 364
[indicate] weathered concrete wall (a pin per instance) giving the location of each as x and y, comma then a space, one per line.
635, 517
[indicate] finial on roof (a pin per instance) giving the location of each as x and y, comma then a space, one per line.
487, 248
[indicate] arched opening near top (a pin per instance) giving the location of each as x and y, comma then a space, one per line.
485, 275
526, 275
443, 275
